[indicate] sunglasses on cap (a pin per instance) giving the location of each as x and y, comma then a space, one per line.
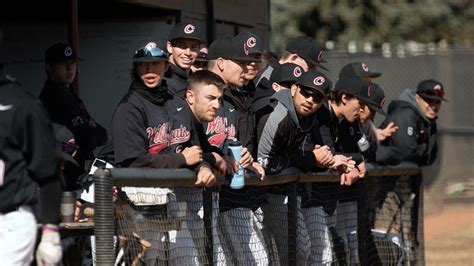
315, 95
149, 52
69, 148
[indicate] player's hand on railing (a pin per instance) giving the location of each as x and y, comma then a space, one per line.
220, 168
323, 155
258, 169
246, 158
382, 134
362, 169
350, 177
205, 177
49, 250
192, 155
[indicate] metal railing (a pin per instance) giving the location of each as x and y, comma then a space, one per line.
105, 179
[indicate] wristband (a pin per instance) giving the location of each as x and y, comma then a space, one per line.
50, 227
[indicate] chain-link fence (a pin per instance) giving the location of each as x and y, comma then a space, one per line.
405, 69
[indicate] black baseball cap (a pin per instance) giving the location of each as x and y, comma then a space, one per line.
354, 86
149, 53
358, 69
315, 80
431, 89
286, 73
60, 52
66, 138
376, 98
307, 48
230, 49
252, 43
184, 30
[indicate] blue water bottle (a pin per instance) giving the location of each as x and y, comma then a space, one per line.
235, 149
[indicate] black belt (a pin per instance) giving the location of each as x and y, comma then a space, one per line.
8, 210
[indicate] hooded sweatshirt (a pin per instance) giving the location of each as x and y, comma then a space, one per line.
284, 137
416, 134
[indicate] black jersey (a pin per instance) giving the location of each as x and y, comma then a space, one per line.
28, 152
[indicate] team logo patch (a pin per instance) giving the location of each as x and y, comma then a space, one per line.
437, 87
251, 42
369, 91
297, 72
410, 131
68, 51
246, 50
150, 45
365, 67
319, 56
382, 102
179, 149
318, 81
189, 29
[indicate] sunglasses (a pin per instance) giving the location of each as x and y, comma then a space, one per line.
69, 148
154, 52
315, 95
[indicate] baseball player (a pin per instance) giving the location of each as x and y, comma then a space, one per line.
142, 134
184, 41
29, 157
303, 51
238, 219
66, 108
285, 134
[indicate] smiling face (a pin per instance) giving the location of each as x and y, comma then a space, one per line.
151, 73
62, 72
183, 52
429, 107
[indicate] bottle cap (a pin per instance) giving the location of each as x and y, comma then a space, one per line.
234, 142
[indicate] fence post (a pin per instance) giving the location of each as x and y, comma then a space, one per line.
363, 224
208, 211
292, 223
104, 227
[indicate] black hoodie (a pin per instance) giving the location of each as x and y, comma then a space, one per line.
283, 137
176, 80
416, 134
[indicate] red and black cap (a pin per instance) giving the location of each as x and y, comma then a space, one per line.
431, 89
358, 69
315, 81
251, 42
286, 73
60, 52
149, 53
376, 98
307, 48
184, 30
354, 86
230, 49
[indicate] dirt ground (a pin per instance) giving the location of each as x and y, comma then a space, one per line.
449, 236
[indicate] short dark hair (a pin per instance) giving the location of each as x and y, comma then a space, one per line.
205, 77
336, 96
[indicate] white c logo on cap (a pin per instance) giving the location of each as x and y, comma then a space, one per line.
318, 81
189, 29
297, 72
251, 42
382, 102
365, 67
369, 91
246, 51
68, 51
150, 45
437, 87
